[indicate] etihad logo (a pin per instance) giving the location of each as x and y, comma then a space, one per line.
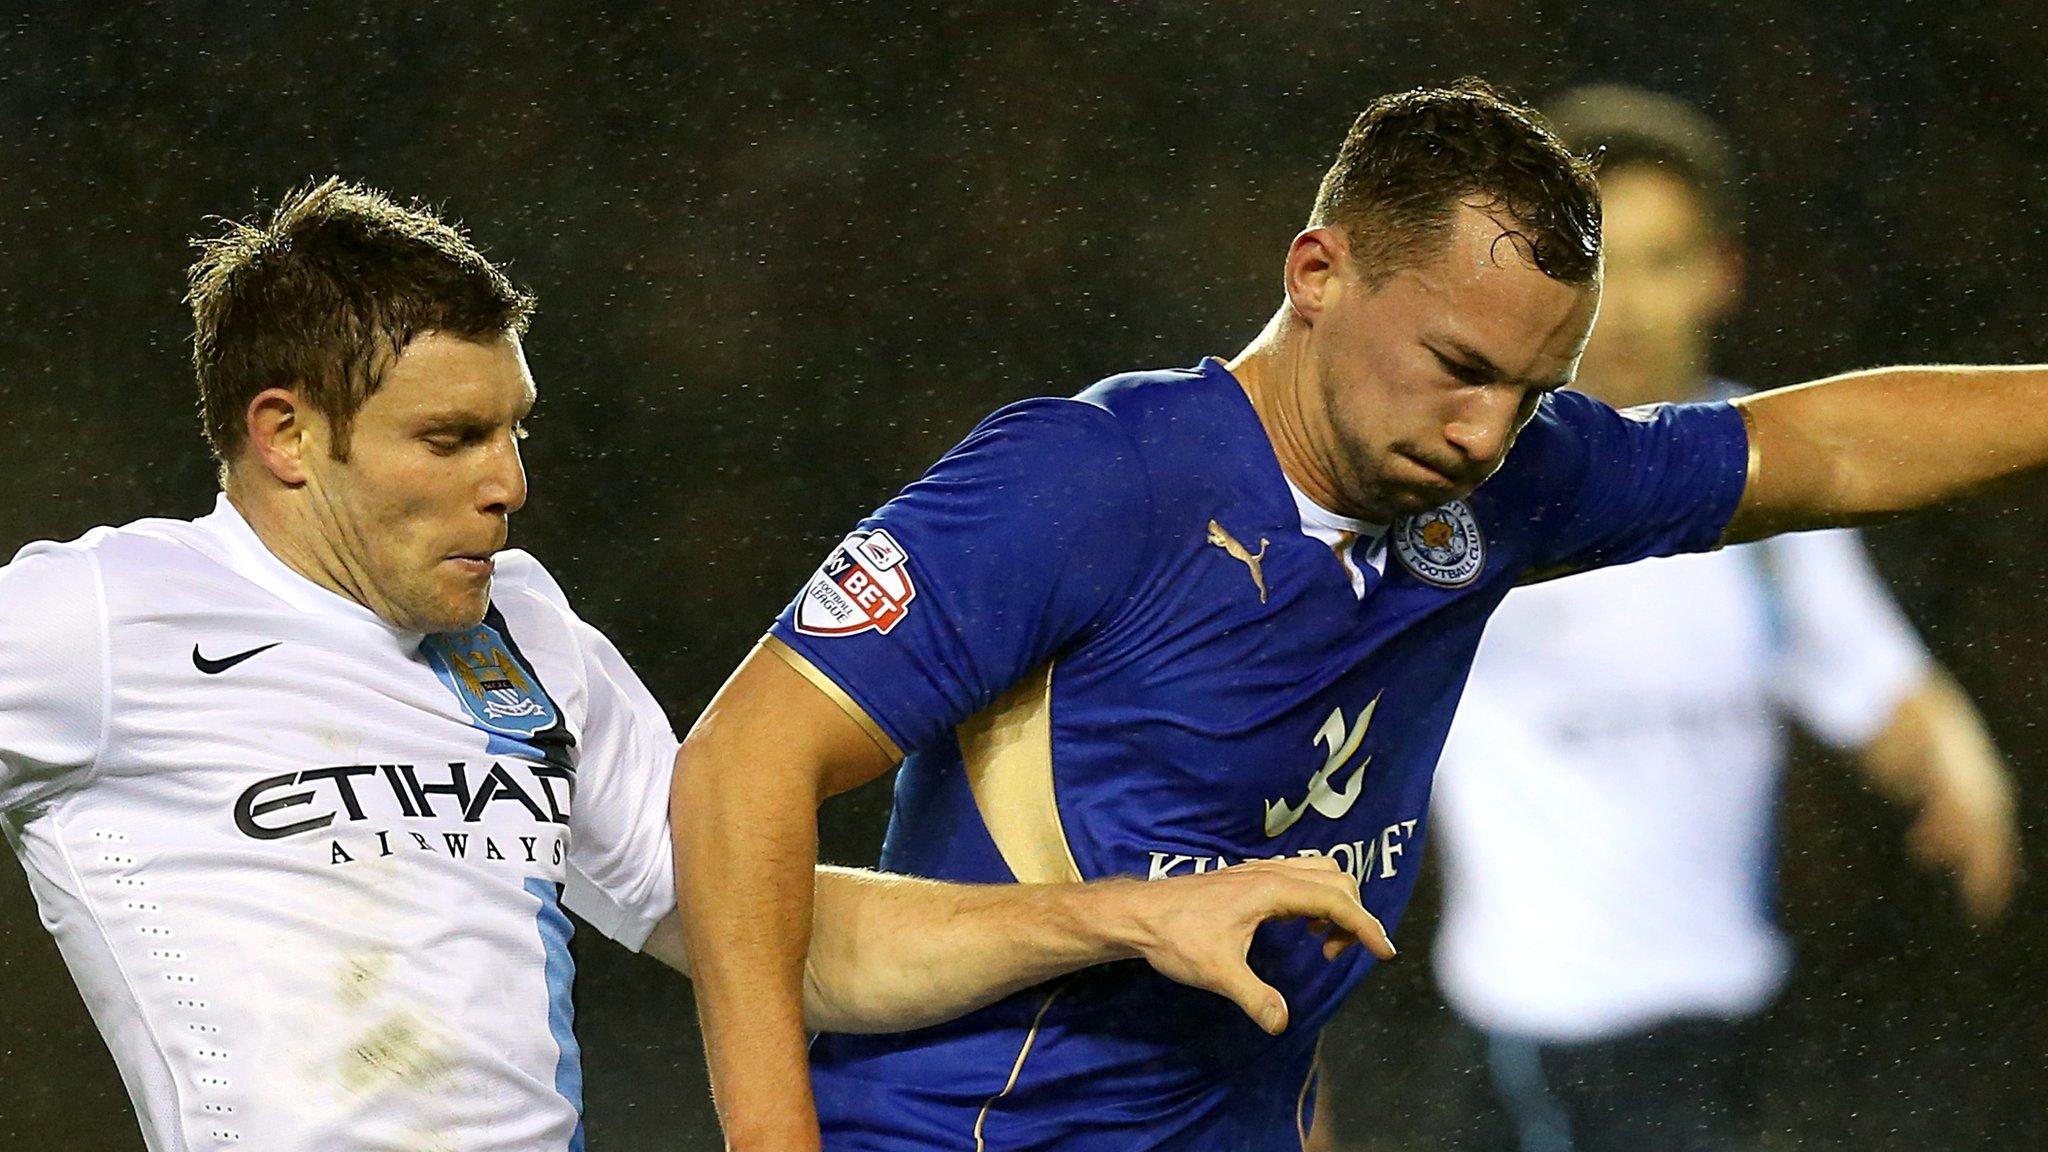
1221, 538
1325, 797
297, 802
509, 797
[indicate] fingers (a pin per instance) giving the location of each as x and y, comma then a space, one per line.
1200, 928
1259, 1000
1316, 888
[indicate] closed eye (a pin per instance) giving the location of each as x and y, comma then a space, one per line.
1463, 372
450, 438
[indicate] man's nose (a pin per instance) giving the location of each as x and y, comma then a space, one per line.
503, 491
1484, 421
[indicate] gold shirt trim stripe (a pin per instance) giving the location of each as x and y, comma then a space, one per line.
1016, 1069
1753, 469
831, 688
1315, 1065
1756, 458
1006, 749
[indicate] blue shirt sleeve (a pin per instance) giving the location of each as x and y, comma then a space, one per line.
1616, 487
1015, 544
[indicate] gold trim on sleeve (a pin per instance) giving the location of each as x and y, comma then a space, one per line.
1756, 458
1753, 469
1017, 1068
833, 691
1006, 749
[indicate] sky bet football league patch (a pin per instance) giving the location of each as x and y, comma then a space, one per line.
863, 585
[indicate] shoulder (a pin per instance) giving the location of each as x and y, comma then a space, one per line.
73, 567
1193, 432
520, 575
48, 578
1058, 460
530, 599
53, 606
1054, 430
1549, 455
145, 552
1561, 425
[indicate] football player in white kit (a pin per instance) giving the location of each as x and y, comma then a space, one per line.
303, 786
1609, 783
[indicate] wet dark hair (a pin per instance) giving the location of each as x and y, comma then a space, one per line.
1628, 127
323, 295
1412, 158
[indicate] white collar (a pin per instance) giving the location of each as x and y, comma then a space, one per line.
1314, 516
1342, 535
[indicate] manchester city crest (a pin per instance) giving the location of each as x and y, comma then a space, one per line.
1442, 545
500, 695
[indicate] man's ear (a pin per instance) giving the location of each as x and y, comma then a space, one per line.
1312, 277
284, 432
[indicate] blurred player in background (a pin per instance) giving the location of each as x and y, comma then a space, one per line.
1193, 617
1606, 796
303, 786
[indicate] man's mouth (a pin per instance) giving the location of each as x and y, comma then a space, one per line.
475, 563
1432, 473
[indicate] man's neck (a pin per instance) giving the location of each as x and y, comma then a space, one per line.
277, 523
1273, 370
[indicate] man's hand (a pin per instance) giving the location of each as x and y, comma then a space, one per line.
1198, 929
1936, 754
1967, 826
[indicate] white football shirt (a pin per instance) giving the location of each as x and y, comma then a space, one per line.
1606, 796
308, 869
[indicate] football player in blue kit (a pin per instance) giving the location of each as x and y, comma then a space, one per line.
1187, 619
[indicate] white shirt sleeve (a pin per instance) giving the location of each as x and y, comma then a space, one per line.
53, 673
1848, 657
621, 870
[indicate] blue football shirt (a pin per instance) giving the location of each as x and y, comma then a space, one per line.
1106, 644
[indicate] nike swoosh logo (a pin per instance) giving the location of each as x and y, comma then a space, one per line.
216, 667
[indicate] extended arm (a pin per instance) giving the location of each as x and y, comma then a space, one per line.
1868, 445
1935, 754
892, 953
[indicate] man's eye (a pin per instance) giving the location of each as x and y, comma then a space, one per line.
1461, 372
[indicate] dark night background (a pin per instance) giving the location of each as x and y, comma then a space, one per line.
787, 253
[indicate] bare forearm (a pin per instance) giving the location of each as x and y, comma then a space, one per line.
746, 845
1873, 444
892, 953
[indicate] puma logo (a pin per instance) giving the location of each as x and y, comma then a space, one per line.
1333, 801
1221, 538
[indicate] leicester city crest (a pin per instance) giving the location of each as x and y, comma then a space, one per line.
498, 691
1442, 545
